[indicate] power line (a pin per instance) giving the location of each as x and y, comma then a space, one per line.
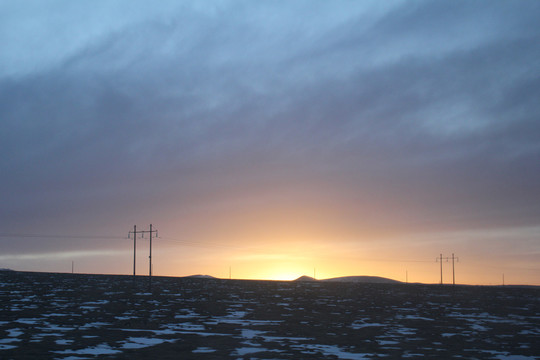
202, 244
179, 241
49, 236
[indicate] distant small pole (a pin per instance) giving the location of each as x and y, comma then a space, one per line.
314, 274
134, 248
503, 279
453, 272
230, 273
441, 268
406, 276
72, 267
150, 259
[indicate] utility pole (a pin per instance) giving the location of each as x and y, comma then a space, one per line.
441, 268
453, 272
134, 247
440, 259
150, 259
142, 232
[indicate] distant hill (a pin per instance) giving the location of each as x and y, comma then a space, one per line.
198, 276
364, 279
305, 278
354, 279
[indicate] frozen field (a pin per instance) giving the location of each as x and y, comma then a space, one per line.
64, 316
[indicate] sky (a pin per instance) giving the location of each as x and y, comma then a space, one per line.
272, 139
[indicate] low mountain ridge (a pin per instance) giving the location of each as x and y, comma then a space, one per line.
199, 276
364, 279
354, 279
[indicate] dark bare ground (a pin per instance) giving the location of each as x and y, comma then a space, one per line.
66, 316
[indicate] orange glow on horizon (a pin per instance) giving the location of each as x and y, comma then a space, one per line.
292, 260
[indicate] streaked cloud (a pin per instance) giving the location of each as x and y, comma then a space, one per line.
244, 121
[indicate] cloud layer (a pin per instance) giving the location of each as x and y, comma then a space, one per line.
408, 116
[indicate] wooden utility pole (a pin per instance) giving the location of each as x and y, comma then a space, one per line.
150, 259
142, 232
453, 272
441, 268
134, 247
440, 259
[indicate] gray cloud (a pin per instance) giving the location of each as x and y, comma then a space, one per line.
426, 112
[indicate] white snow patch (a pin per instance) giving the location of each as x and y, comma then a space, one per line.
102, 349
141, 342
94, 325
414, 317
9, 340
28, 321
250, 334
333, 350
285, 338
387, 342
188, 314
57, 328
190, 327
359, 325
63, 342
250, 350
479, 327
14, 332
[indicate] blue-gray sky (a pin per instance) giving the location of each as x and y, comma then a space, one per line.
363, 126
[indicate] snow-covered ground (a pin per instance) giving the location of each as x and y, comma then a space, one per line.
64, 316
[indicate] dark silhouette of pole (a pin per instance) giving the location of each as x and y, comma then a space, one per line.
150, 259
142, 232
134, 248
454, 258
453, 272
441, 268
